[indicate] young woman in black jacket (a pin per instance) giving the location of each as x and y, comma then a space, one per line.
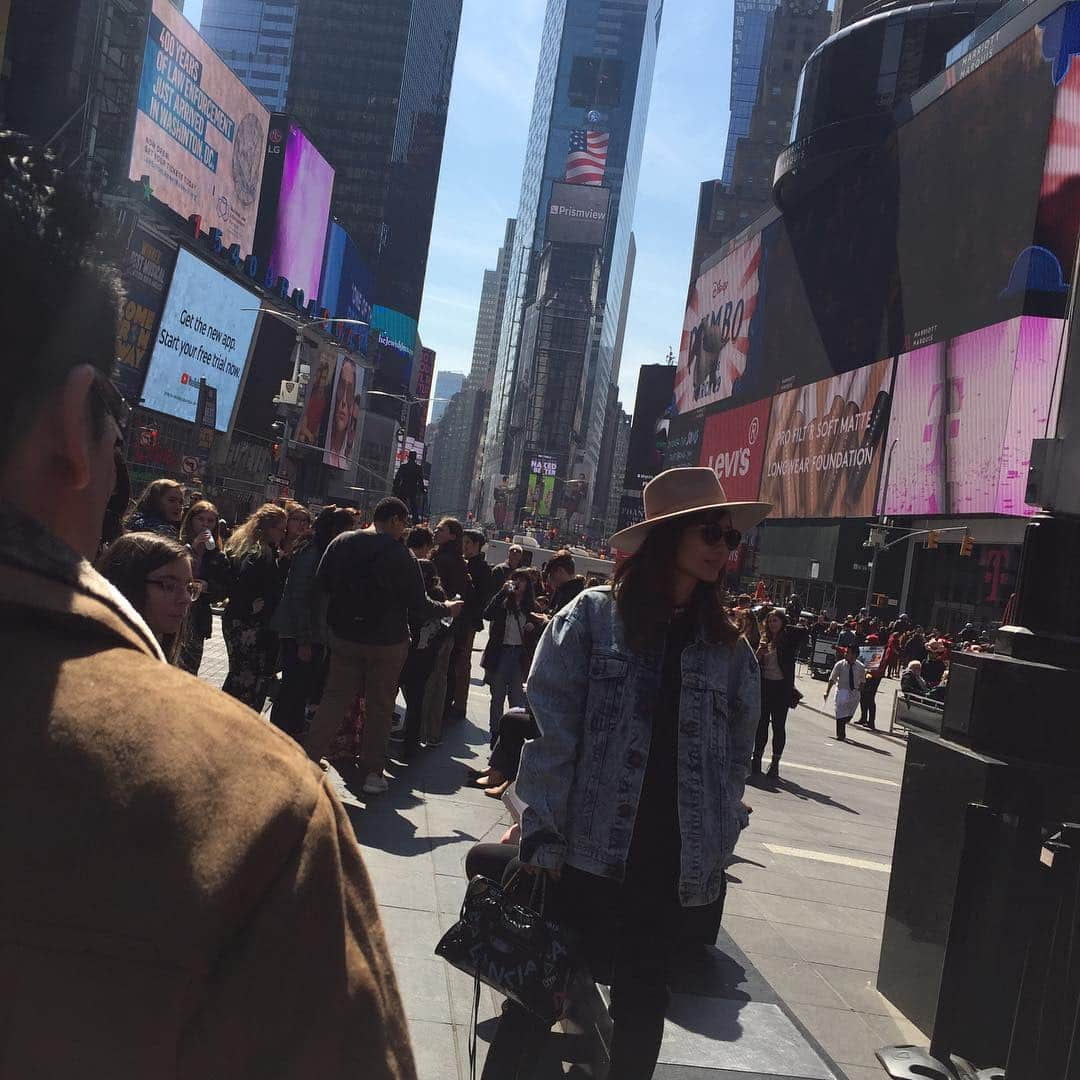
776, 654
253, 597
516, 625
201, 532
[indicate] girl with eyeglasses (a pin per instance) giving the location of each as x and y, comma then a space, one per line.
154, 574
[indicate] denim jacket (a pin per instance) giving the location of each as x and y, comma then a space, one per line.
581, 780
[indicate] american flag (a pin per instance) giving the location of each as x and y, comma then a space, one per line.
588, 154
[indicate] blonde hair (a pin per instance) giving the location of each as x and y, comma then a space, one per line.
252, 534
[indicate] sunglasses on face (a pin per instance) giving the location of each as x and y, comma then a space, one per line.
715, 532
106, 392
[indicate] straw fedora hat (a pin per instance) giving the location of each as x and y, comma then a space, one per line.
680, 492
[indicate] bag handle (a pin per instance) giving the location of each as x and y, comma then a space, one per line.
537, 893
473, 1024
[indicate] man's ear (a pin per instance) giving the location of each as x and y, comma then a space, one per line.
72, 436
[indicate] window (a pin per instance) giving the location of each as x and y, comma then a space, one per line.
595, 81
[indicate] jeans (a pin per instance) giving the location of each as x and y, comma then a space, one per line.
301, 683
460, 672
375, 669
505, 680
775, 703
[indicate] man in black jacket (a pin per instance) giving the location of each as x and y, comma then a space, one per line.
479, 593
373, 584
563, 581
500, 574
409, 483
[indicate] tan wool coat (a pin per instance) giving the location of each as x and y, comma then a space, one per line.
181, 893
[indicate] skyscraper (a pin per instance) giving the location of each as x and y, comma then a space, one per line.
255, 38
371, 83
751, 28
728, 205
447, 384
567, 278
489, 317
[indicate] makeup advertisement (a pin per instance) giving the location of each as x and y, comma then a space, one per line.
826, 443
965, 414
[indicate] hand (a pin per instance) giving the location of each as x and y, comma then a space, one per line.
455, 607
257, 606
304, 654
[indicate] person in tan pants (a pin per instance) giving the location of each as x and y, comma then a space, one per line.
373, 584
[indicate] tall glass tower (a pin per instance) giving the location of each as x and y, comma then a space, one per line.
255, 38
747, 51
557, 342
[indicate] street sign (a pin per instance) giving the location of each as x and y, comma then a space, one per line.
189, 466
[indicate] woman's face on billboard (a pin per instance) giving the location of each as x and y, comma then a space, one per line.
346, 391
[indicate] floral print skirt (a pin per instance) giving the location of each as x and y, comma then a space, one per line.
252, 652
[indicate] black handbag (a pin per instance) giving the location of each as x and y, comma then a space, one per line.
512, 948
796, 697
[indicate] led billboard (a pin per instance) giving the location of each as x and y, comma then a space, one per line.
205, 333
347, 285
200, 134
825, 444
733, 446
715, 340
540, 493
294, 210
344, 414
964, 416
578, 214
146, 265
649, 429
395, 336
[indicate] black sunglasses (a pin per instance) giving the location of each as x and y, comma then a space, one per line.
713, 532
111, 398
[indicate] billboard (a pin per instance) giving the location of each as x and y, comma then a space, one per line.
421, 393
205, 332
315, 419
825, 443
715, 343
294, 210
271, 363
578, 214
200, 134
965, 414
649, 430
344, 414
733, 446
395, 335
145, 272
540, 493
347, 285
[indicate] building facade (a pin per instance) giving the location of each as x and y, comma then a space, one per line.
255, 38
793, 29
557, 344
447, 384
371, 83
749, 34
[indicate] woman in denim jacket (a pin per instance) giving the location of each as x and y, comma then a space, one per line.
647, 701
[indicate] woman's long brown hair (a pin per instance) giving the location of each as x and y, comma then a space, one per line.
643, 586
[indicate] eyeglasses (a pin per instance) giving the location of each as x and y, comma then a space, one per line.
112, 400
173, 588
714, 532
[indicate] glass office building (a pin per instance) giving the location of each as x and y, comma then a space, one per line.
747, 51
255, 38
371, 83
595, 74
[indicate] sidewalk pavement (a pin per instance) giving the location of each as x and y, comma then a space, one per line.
805, 907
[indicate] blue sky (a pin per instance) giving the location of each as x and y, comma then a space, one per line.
484, 150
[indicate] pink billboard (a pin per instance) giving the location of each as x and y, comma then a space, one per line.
964, 415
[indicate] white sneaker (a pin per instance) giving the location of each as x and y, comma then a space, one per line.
375, 784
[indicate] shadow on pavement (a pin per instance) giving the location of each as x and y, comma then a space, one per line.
808, 794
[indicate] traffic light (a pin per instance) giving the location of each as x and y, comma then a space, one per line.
966, 545
932, 538
275, 451
277, 429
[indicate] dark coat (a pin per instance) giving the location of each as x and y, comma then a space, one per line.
255, 576
214, 570
496, 613
565, 593
481, 589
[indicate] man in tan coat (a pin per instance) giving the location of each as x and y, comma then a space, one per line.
181, 894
